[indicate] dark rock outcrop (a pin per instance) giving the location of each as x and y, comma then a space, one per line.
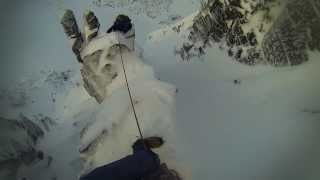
295, 31
218, 21
297, 27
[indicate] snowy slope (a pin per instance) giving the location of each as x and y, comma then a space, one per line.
264, 126
42, 80
108, 130
259, 128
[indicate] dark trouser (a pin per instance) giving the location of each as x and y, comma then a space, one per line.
141, 163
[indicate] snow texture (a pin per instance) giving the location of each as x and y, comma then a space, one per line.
18, 144
151, 8
113, 120
233, 121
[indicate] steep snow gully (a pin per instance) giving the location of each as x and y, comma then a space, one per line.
224, 114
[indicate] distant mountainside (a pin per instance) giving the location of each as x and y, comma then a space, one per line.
151, 8
272, 32
294, 32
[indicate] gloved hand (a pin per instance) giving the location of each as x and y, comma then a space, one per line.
76, 38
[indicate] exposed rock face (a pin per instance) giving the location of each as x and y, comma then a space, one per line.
287, 41
221, 21
232, 24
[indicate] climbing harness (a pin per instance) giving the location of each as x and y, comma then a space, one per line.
129, 92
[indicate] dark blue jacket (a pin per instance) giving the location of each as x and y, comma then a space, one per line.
141, 163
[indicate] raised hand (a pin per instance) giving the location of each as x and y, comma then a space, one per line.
77, 39
98, 52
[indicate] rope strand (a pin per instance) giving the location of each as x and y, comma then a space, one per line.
130, 95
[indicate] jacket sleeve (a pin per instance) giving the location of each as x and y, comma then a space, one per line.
130, 37
133, 167
110, 29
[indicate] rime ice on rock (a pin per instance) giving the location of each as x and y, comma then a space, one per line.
211, 21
